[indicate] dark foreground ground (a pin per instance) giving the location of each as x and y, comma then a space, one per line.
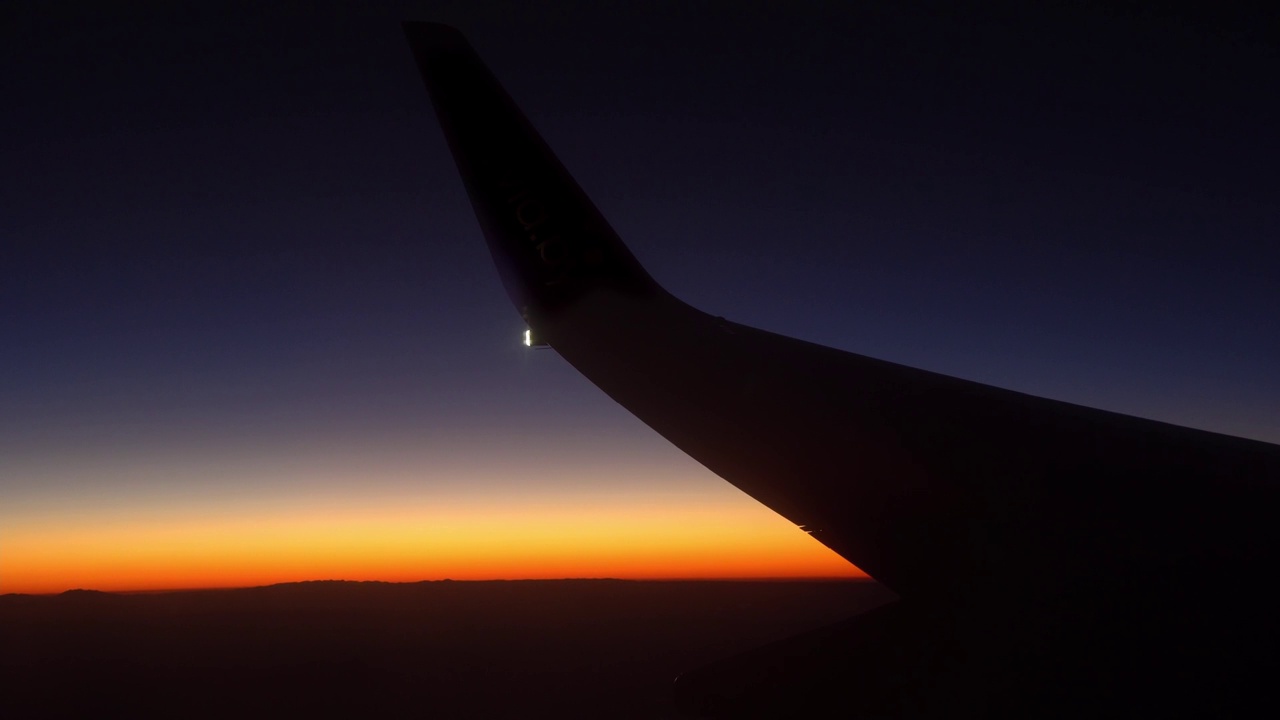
528, 649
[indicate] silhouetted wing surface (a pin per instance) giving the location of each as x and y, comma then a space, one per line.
955, 494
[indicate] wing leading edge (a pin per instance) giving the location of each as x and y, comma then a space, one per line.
1007, 522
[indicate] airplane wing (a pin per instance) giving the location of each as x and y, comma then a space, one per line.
1022, 534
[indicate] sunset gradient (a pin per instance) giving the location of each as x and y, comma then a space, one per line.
224, 533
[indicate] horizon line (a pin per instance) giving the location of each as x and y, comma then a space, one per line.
162, 591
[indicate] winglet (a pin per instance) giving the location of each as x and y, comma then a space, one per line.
550, 243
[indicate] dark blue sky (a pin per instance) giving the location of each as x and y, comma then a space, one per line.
234, 230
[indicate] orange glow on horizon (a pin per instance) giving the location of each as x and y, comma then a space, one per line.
400, 543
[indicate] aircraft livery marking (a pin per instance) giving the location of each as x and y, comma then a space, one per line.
531, 212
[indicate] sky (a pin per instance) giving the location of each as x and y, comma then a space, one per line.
249, 331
